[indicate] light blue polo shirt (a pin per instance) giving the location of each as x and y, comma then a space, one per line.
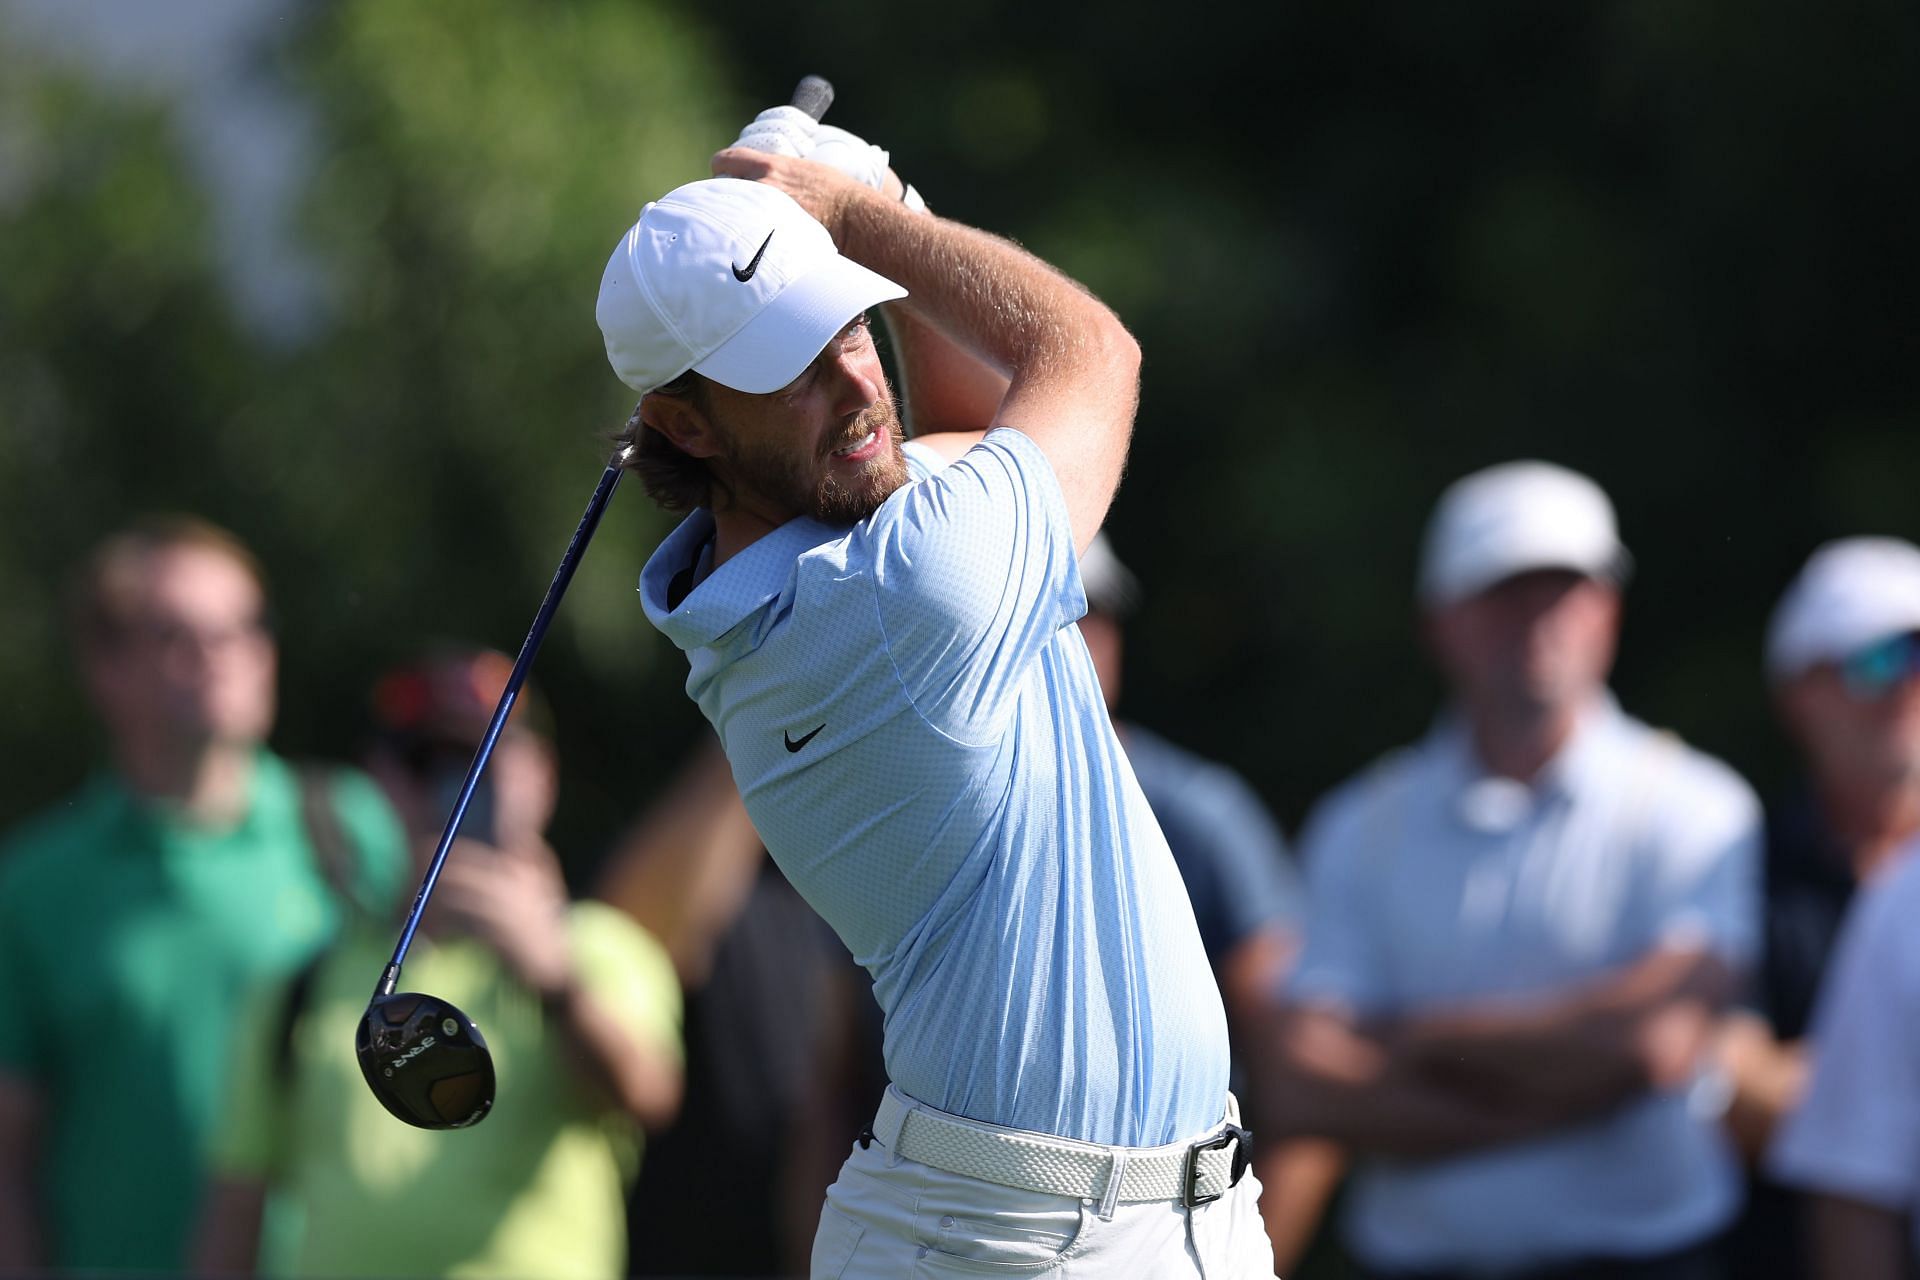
1432, 885
920, 739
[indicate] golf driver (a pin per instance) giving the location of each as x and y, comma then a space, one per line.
424, 1059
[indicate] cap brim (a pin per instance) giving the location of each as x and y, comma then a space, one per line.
777, 345
1615, 569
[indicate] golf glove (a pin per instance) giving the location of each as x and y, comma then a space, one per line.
859, 159
784, 131
789, 131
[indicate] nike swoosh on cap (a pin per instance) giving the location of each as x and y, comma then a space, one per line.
744, 274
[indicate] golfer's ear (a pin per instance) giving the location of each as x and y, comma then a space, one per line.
681, 422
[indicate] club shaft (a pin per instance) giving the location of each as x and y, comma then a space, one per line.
596, 507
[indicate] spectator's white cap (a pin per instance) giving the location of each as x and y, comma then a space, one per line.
732, 279
1852, 594
1516, 518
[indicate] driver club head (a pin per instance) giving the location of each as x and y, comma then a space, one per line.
425, 1060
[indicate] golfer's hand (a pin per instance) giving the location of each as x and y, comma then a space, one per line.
515, 902
822, 190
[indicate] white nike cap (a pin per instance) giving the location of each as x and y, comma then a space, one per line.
1851, 595
1516, 518
732, 279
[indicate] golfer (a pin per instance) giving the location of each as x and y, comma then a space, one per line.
882, 634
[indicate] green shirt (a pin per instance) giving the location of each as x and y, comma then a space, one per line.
535, 1189
129, 942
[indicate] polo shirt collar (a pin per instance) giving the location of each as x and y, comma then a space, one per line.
153, 826
730, 594
1485, 801
1589, 753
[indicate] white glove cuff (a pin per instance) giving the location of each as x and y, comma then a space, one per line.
911, 199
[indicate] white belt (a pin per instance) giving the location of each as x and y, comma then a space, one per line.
1191, 1173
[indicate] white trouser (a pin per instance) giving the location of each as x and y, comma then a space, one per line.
889, 1218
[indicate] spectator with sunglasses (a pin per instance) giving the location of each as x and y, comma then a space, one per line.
579, 1006
1843, 659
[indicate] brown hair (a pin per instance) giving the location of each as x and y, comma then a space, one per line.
100, 597
673, 478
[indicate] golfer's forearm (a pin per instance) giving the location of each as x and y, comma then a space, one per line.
999, 302
1072, 369
944, 387
639, 1079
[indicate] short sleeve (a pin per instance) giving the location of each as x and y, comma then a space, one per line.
974, 572
1340, 962
1856, 1135
1707, 876
628, 974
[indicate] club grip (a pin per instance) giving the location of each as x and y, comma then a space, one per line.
813, 95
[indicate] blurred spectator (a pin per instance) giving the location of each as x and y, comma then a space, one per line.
578, 1004
783, 1040
1521, 931
1854, 1142
137, 915
1841, 655
1246, 894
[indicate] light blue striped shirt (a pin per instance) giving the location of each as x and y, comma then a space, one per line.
919, 736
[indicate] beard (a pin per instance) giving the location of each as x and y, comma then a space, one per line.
812, 485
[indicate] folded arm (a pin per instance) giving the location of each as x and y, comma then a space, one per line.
1328, 1078
1645, 1026
1769, 1078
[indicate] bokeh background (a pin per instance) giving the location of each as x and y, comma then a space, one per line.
324, 272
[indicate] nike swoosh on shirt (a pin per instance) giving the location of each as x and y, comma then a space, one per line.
793, 745
744, 274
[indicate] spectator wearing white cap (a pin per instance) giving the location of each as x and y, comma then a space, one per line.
1521, 932
1843, 660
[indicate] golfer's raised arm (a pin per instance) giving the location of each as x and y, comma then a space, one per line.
1072, 367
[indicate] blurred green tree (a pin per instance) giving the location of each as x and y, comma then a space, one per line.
411, 471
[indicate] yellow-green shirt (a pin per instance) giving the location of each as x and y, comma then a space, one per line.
535, 1189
